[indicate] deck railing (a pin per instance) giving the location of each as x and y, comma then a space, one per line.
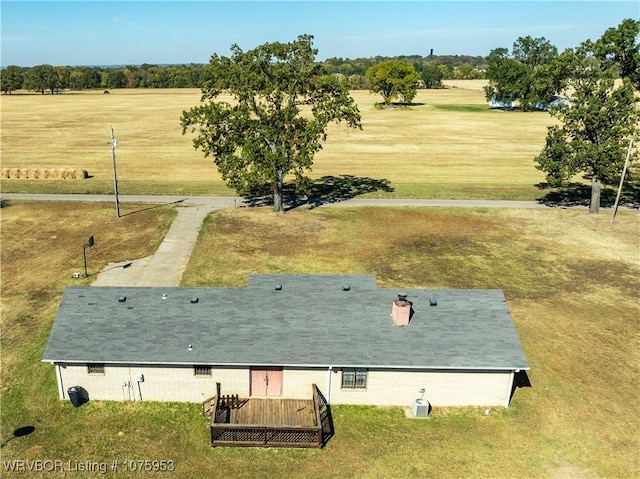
223, 433
323, 415
265, 436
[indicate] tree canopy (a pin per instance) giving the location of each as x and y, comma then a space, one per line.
11, 78
193, 75
432, 76
527, 75
283, 102
620, 47
394, 79
41, 78
597, 125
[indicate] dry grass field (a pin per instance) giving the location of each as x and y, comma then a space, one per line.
447, 145
570, 279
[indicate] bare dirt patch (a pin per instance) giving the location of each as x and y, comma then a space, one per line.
565, 470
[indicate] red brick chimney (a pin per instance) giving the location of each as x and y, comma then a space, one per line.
401, 310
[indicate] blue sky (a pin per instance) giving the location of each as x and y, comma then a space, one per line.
129, 32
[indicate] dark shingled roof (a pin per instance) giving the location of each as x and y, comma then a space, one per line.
311, 321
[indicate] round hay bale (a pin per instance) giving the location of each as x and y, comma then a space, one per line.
80, 174
22, 173
56, 173
14, 172
5, 172
31, 174
42, 173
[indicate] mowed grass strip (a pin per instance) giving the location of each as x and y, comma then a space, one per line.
447, 145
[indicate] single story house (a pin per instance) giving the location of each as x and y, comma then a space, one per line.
502, 104
281, 334
555, 101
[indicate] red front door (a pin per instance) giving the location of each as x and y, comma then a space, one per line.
266, 382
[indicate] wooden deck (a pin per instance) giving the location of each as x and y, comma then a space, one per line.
274, 412
269, 422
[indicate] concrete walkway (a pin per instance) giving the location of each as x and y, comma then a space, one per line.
167, 264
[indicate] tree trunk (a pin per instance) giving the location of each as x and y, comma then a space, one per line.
277, 193
594, 206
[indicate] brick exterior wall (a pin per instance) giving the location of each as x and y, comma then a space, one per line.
384, 387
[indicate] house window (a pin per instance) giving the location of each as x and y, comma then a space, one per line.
354, 378
202, 371
95, 368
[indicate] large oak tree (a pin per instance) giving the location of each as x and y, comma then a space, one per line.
526, 75
283, 103
596, 126
392, 79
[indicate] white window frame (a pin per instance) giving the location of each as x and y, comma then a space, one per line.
95, 369
202, 371
354, 378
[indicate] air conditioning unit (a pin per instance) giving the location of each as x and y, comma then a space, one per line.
421, 408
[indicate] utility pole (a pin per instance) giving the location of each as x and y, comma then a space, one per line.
624, 172
114, 144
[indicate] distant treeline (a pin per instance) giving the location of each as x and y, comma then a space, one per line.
432, 69
55, 79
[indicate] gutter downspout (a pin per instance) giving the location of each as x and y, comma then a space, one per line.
510, 388
328, 397
59, 381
